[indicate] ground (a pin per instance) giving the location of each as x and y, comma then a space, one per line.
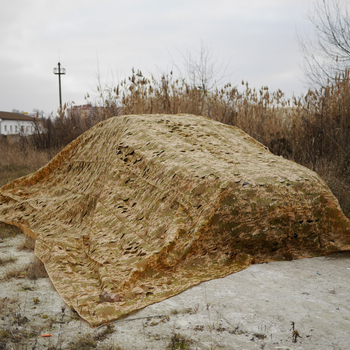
302, 304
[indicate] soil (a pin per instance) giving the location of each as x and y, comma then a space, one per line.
301, 304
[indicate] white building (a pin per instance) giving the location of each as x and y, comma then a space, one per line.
16, 124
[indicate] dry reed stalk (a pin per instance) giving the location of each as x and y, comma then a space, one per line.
313, 130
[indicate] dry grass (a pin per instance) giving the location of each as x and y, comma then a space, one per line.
7, 305
14, 273
313, 130
7, 231
89, 341
28, 244
338, 184
33, 271
19, 158
179, 341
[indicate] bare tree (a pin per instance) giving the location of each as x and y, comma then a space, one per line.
327, 54
202, 71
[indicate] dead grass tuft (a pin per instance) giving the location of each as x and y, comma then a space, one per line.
87, 341
106, 331
111, 347
179, 341
8, 305
28, 244
33, 271
338, 184
19, 159
14, 273
188, 310
7, 231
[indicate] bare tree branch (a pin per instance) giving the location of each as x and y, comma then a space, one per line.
201, 70
328, 55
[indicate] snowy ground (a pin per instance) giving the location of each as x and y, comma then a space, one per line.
254, 309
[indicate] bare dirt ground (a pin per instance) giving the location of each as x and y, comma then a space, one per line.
302, 304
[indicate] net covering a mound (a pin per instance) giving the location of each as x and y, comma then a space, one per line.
140, 208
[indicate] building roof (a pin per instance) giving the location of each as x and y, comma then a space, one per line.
15, 116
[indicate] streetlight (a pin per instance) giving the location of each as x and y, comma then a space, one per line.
59, 71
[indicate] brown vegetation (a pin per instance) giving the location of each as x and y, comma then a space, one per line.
28, 244
20, 158
7, 231
313, 130
33, 271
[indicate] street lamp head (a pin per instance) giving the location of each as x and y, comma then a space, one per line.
59, 70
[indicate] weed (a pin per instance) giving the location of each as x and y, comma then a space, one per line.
84, 343
50, 322
188, 310
260, 336
295, 333
32, 271
28, 244
220, 329
27, 288
7, 231
295, 336
179, 341
8, 305
14, 273
4, 334
111, 347
108, 330
19, 320
14, 335
195, 309
237, 331
90, 342
212, 326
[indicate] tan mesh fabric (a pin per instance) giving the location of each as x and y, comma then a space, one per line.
142, 207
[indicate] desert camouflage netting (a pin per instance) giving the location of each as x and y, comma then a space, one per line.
142, 207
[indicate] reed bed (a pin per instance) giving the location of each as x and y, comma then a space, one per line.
313, 130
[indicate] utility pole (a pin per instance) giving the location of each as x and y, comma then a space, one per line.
59, 71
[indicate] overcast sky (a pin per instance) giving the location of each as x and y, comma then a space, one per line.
256, 39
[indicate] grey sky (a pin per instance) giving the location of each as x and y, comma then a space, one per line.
256, 38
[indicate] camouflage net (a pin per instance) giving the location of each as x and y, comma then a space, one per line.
142, 207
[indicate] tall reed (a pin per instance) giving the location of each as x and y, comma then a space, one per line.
313, 130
